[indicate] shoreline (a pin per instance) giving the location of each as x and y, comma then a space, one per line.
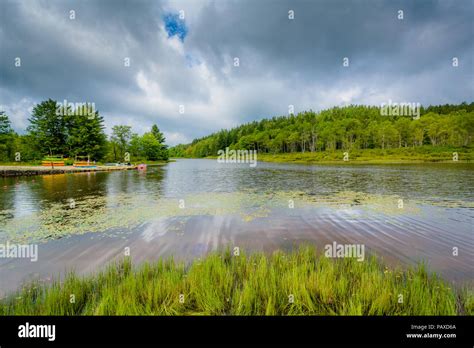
13, 171
404, 155
276, 159
271, 159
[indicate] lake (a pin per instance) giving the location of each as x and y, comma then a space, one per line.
403, 213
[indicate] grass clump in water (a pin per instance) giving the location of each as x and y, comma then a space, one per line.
302, 282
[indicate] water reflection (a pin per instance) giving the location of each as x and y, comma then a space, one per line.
238, 205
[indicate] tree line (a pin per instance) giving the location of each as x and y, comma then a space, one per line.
78, 132
342, 128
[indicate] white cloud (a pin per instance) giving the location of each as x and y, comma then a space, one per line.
19, 111
174, 138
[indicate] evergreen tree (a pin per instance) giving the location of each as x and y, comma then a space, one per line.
48, 128
163, 152
6, 138
157, 134
86, 135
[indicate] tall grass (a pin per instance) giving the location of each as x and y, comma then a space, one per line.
405, 154
297, 283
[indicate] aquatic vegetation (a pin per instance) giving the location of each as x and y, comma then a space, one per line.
125, 211
301, 282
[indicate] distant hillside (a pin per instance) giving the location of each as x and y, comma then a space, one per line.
343, 128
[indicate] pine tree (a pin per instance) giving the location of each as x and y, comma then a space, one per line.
6, 137
48, 128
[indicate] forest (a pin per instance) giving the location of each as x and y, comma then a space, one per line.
77, 132
353, 127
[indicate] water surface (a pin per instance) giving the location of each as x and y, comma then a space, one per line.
187, 208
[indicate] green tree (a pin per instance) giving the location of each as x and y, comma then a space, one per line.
152, 148
119, 140
349, 127
48, 128
402, 125
6, 138
157, 134
23, 145
386, 135
136, 146
417, 132
86, 135
163, 153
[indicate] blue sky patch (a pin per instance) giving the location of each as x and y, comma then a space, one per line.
175, 26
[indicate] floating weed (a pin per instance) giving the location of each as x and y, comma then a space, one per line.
125, 211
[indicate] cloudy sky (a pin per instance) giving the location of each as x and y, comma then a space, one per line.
82, 56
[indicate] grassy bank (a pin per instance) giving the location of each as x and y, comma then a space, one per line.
222, 284
153, 163
398, 155
20, 164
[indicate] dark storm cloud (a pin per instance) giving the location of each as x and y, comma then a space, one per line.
324, 32
282, 61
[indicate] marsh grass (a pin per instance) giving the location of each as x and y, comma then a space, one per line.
259, 284
396, 155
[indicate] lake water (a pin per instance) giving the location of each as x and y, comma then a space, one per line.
187, 208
